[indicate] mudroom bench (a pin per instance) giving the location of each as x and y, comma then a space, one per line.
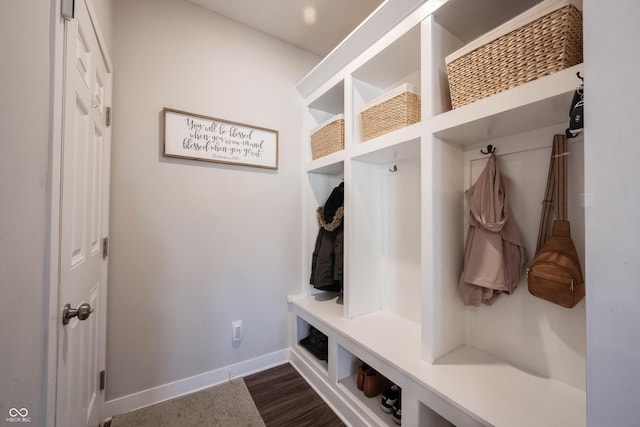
466, 387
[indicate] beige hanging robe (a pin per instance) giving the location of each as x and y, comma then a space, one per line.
494, 252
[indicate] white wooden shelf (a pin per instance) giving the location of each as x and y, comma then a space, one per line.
400, 144
502, 394
318, 309
537, 104
331, 164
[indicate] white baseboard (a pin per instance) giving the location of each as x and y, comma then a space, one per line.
178, 388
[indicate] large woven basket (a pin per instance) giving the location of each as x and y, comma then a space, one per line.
393, 110
328, 137
539, 42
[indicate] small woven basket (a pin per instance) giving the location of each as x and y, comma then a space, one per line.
539, 47
394, 110
328, 137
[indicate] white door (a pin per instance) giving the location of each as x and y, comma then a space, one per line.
83, 225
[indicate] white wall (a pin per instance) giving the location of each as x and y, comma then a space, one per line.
24, 212
612, 267
104, 12
196, 245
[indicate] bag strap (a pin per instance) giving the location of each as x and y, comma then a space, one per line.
561, 160
556, 190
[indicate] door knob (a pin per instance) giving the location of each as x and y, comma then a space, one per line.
83, 312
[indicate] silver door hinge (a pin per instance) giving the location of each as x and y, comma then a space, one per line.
105, 248
108, 116
102, 380
67, 9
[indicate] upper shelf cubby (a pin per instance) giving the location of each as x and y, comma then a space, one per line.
467, 20
537, 104
325, 124
327, 105
394, 65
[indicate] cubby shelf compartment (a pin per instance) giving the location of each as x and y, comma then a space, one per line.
323, 108
396, 64
347, 370
533, 356
467, 20
331, 164
383, 224
537, 104
302, 330
320, 366
368, 405
429, 418
329, 103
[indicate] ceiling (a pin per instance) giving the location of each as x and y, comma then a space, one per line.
314, 25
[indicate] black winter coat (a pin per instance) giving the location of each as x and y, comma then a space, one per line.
327, 261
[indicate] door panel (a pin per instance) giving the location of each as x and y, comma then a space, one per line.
74, 155
94, 191
84, 210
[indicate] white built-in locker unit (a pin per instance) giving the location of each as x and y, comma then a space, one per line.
519, 362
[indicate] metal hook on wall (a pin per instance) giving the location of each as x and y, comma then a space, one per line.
394, 169
490, 150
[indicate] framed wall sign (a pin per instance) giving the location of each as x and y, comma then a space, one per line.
198, 137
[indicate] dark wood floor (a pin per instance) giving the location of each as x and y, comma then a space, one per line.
285, 399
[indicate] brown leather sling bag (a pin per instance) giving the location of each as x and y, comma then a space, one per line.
555, 274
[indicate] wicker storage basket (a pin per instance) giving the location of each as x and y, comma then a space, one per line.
328, 137
395, 109
543, 40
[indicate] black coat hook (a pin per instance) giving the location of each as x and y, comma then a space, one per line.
579, 76
394, 169
490, 150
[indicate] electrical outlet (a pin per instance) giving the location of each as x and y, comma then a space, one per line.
236, 330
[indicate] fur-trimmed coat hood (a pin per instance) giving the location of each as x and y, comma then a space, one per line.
335, 222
